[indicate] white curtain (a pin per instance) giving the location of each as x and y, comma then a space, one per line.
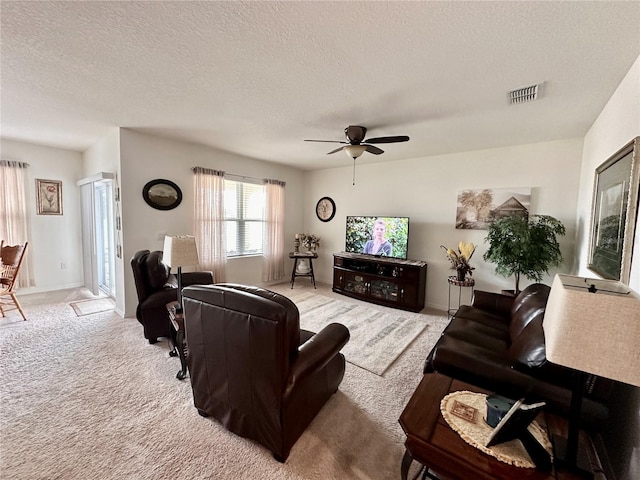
209, 221
273, 241
14, 225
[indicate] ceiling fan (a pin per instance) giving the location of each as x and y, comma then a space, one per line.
357, 145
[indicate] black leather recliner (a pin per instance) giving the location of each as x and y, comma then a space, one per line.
253, 368
156, 286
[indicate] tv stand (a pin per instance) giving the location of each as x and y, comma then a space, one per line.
386, 281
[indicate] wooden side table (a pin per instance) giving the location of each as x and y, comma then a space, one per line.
468, 282
298, 256
432, 442
177, 322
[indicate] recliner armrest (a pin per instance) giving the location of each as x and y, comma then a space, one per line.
197, 278
493, 302
316, 352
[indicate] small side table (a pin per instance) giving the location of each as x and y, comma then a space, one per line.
467, 282
298, 256
177, 322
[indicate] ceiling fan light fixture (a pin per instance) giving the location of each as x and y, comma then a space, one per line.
354, 151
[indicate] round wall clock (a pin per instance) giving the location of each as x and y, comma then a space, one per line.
325, 209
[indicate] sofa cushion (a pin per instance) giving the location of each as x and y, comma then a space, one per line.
482, 316
478, 333
525, 329
528, 346
526, 306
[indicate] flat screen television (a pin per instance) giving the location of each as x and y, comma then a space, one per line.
379, 236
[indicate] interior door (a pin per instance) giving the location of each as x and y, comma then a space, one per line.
98, 233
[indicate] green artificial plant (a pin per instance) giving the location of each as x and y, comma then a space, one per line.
528, 247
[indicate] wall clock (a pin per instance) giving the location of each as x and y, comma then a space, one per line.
325, 209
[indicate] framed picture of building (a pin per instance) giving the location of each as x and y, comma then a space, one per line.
478, 208
48, 197
614, 214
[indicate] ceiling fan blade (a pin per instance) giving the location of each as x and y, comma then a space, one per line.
328, 141
398, 138
374, 150
336, 150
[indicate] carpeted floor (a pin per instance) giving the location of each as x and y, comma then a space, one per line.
88, 397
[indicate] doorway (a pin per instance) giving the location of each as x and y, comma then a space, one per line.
98, 233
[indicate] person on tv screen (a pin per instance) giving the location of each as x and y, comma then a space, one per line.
379, 245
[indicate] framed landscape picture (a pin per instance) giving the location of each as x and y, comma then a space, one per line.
476, 209
614, 214
162, 194
48, 197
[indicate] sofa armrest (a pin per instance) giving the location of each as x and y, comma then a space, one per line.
493, 302
197, 278
316, 352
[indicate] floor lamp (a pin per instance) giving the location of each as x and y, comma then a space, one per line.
180, 251
593, 327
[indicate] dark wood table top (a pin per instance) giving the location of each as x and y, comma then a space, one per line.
433, 443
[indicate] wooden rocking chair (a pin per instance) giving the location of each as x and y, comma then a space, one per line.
10, 260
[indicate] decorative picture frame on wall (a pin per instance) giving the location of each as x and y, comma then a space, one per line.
477, 209
48, 197
162, 194
614, 212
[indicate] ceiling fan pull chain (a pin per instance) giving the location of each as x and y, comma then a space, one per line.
354, 170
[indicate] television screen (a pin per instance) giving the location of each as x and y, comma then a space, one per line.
379, 236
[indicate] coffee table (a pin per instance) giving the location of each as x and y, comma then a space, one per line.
435, 445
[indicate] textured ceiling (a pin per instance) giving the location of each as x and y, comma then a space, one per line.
257, 78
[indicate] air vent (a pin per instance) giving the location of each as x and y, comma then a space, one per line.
522, 95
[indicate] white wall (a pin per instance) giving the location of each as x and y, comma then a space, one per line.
55, 244
617, 124
425, 189
146, 157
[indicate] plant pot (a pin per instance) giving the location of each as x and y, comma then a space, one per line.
461, 274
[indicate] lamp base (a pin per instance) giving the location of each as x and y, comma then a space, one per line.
582, 467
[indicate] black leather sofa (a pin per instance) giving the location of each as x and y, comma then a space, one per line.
497, 343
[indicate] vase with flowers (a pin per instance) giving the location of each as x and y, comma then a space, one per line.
460, 259
309, 241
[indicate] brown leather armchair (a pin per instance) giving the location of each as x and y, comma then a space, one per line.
253, 368
156, 286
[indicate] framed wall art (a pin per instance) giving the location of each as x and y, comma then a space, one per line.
614, 214
162, 194
476, 209
48, 197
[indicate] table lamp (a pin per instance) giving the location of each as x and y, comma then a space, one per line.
180, 251
593, 327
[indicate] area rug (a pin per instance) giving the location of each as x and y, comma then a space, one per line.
378, 335
87, 307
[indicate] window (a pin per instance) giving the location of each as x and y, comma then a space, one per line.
244, 217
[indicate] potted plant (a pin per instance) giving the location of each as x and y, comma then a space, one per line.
524, 246
460, 259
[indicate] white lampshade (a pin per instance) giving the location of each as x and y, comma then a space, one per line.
354, 151
180, 251
593, 325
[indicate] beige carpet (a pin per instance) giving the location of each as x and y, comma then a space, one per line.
378, 336
89, 398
